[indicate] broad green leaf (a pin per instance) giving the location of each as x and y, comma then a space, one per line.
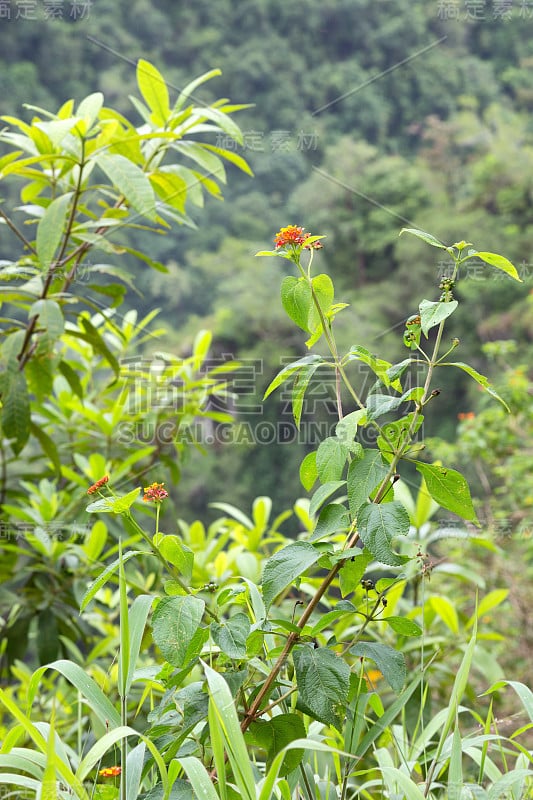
449, 489
481, 379
175, 623
308, 471
445, 609
324, 292
495, 260
177, 554
189, 89
16, 412
297, 300
378, 524
285, 566
274, 734
323, 681
231, 635
432, 314
50, 230
290, 369
364, 475
40, 371
49, 317
426, 237
404, 626
352, 571
90, 107
331, 459
333, 518
322, 494
389, 661
131, 182
379, 404
114, 505
154, 91
170, 188
346, 428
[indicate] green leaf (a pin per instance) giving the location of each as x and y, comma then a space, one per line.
89, 690
297, 300
322, 494
154, 91
352, 571
301, 382
72, 378
177, 554
324, 292
395, 434
290, 369
389, 661
231, 635
377, 365
91, 335
48, 446
379, 404
90, 107
346, 428
378, 524
445, 609
323, 683
189, 89
495, 260
16, 412
426, 237
403, 626
432, 314
308, 471
488, 602
333, 518
274, 734
285, 566
113, 505
449, 489
50, 230
101, 580
364, 475
49, 316
175, 625
481, 379
331, 459
138, 615
131, 182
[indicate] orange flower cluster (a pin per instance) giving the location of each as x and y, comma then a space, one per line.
98, 485
466, 415
110, 772
154, 493
294, 235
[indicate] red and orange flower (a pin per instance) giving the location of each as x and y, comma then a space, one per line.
110, 772
154, 493
294, 235
98, 485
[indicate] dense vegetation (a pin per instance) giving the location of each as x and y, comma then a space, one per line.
356, 631
366, 117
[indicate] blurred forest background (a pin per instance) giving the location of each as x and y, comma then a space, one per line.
367, 116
